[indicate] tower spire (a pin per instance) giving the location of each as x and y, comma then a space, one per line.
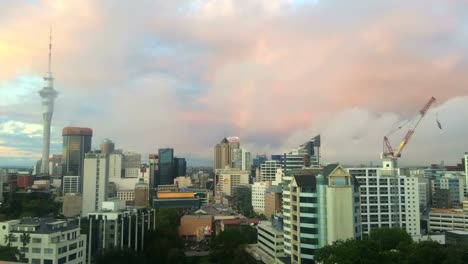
50, 52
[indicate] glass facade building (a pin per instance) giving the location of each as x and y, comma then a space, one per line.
76, 143
166, 173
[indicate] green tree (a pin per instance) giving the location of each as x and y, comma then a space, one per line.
9, 254
9, 238
25, 238
390, 238
229, 246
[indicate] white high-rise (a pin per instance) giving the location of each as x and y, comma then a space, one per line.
96, 180
48, 95
388, 200
258, 196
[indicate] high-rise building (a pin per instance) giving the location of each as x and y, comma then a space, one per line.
166, 172
454, 183
268, 170
141, 193
180, 167
107, 146
76, 143
324, 208
223, 152
388, 200
306, 155
229, 179
55, 166
48, 95
241, 159
273, 201
96, 181
153, 167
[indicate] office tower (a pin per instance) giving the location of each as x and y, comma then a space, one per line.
453, 182
241, 159
55, 166
223, 152
153, 167
141, 193
306, 155
132, 164
48, 95
76, 143
259, 160
258, 196
180, 167
107, 146
323, 208
229, 179
96, 180
166, 173
388, 200
268, 170
116, 165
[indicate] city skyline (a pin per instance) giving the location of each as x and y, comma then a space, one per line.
274, 73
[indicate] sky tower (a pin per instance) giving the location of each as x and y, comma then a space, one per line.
48, 95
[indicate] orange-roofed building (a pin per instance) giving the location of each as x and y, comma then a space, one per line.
196, 227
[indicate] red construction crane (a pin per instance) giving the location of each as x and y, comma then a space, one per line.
396, 154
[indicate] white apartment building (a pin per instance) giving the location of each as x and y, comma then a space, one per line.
95, 182
258, 196
71, 184
268, 170
51, 241
388, 200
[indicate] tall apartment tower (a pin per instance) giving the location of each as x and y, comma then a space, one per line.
320, 206
388, 200
48, 95
153, 168
223, 152
76, 143
96, 181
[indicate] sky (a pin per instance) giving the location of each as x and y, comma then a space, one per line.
185, 74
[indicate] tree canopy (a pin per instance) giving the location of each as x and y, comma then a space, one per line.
390, 245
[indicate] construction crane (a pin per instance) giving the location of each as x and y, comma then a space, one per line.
394, 155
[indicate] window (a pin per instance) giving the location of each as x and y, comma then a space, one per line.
72, 257
48, 261
36, 250
72, 246
62, 260
36, 240
48, 251
35, 261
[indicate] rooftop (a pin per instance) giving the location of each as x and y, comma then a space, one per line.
446, 211
42, 225
305, 180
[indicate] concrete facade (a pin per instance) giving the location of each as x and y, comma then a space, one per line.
96, 180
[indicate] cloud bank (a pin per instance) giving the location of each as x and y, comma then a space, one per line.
184, 74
